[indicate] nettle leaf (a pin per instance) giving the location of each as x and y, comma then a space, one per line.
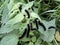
41, 29
49, 23
16, 6
18, 18
5, 29
38, 42
10, 4
5, 15
33, 39
11, 15
34, 15
3, 5
8, 28
48, 35
36, 10
22, 27
31, 33
26, 6
25, 39
10, 39
31, 43
14, 10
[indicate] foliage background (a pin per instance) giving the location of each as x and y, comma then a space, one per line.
47, 10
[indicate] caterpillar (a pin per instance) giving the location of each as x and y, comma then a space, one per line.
20, 7
39, 23
52, 27
42, 25
27, 13
29, 28
23, 33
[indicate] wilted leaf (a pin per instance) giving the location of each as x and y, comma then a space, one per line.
57, 36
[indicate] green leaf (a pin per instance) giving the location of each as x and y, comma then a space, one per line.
34, 15
49, 23
41, 29
18, 18
37, 43
39, 40
3, 5
25, 39
33, 39
31, 33
10, 39
26, 6
8, 28
5, 29
10, 4
31, 43
5, 15
36, 10
48, 35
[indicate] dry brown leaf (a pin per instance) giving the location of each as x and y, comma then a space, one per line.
57, 36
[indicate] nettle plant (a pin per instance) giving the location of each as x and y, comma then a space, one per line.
20, 25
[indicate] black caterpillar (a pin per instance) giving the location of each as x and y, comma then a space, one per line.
27, 13
52, 27
20, 7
